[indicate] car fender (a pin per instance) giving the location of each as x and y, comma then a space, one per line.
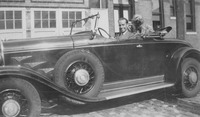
32, 76
173, 74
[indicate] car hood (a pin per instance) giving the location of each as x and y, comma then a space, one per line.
37, 44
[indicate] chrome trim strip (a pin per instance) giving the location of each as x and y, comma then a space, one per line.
127, 93
138, 81
80, 45
139, 85
2, 52
34, 64
122, 44
21, 58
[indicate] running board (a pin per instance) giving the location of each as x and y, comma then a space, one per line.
111, 94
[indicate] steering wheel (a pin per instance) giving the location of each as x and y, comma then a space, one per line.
102, 31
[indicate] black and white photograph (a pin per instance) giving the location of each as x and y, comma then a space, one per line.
99, 58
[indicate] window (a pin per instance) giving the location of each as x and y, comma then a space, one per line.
10, 20
98, 3
95, 3
157, 14
123, 8
70, 16
12, 0
190, 15
45, 19
173, 8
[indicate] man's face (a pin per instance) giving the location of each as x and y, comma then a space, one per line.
122, 26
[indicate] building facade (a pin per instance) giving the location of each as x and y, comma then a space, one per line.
39, 18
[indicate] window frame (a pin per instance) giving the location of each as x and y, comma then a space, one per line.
160, 14
13, 19
121, 7
192, 16
69, 19
173, 8
41, 19
130, 7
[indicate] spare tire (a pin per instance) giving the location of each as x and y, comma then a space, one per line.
79, 72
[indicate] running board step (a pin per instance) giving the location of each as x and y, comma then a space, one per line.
111, 94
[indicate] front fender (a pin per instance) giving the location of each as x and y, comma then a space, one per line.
30, 75
176, 59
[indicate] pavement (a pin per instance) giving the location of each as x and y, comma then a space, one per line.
151, 104
190, 104
149, 108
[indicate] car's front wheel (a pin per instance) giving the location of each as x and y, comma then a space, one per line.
190, 77
19, 98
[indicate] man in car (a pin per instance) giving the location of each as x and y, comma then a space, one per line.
139, 27
124, 32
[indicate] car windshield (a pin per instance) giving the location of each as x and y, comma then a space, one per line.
96, 16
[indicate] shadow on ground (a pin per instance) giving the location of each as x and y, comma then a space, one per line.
63, 108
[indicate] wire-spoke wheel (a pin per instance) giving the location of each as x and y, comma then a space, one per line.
18, 98
80, 77
80, 72
190, 72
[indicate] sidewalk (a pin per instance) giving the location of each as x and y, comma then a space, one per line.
151, 104
146, 108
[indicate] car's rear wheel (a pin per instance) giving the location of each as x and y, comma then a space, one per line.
190, 73
80, 72
19, 98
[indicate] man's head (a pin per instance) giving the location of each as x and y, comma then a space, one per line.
137, 20
123, 24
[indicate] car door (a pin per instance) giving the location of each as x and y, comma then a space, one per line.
155, 55
124, 60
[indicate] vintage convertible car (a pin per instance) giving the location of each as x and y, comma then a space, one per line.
87, 67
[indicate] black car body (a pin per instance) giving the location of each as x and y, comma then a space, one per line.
87, 67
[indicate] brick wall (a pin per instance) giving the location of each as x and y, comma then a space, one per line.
194, 37
144, 8
169, 20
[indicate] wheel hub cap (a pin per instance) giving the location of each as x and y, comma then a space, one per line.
193, 77
81, 77
10, 108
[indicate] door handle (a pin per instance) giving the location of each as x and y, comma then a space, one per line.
139, 46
